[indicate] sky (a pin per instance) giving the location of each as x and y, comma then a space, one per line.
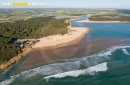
121, 4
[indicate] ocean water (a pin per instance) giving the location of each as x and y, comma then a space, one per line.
121, 30
110, 66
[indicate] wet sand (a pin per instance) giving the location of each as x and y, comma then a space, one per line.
53, 41
84, 48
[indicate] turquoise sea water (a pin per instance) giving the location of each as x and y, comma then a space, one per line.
110, 66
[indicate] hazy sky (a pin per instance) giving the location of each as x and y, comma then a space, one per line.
78, 3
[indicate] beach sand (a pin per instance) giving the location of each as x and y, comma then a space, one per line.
85, 47
73, 36
88, 21
61, 40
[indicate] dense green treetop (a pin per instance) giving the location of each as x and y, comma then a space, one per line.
27, 29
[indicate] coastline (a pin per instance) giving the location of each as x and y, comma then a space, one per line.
60, 40
88, 21
74, 34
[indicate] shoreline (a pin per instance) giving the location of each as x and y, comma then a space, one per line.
88, 21
61, 40
55, 41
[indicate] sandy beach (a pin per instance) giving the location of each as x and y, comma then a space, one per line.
74, 34
54, 40
88, 21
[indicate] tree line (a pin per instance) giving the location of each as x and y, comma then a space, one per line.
110, 18
27, 29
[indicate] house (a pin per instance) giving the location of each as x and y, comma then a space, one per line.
22, 46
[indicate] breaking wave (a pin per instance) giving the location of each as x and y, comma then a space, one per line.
89, 71
78, 66
125, 52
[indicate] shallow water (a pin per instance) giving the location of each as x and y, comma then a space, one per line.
102, 57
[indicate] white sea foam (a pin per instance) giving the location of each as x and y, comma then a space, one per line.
45, 70
89, 71
8, 81
69, 65
125, 52
110, 50
51, 69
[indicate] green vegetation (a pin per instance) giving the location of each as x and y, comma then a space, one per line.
124, 11
77, 14
15, 14
7, 50
18, 14
27, 29
33, 28
110, 18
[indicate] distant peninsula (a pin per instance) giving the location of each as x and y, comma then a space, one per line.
112, 18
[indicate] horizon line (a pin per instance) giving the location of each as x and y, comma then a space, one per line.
57, 8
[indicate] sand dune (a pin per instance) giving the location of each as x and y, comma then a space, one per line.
54, 40
74, 33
